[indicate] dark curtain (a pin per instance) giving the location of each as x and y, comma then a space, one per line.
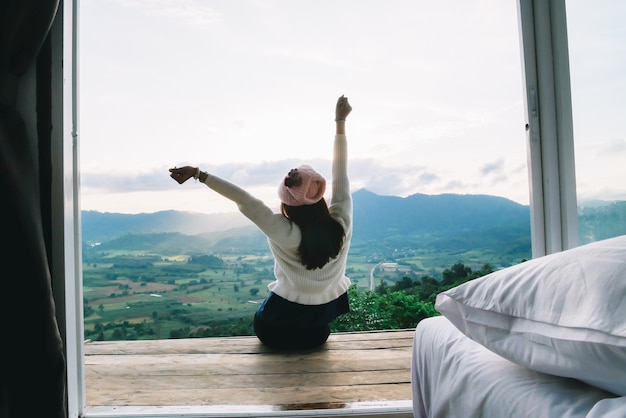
32, 363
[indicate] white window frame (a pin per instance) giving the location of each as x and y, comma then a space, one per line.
552, 183
549, 125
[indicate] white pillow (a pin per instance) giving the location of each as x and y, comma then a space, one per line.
562, 314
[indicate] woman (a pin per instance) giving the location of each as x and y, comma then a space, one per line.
309, 241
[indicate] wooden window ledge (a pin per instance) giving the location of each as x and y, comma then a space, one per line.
352, 370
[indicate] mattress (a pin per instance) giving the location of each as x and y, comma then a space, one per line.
454, 376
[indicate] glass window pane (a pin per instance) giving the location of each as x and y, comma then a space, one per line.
246, 90
597, 47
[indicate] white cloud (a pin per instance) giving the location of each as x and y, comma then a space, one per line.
492, 167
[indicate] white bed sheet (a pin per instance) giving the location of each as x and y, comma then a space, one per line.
453, 376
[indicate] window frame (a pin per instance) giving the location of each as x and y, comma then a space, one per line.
549, 125
550, 156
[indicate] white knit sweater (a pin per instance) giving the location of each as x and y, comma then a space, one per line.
293, 281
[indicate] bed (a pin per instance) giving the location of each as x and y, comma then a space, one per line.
544, 338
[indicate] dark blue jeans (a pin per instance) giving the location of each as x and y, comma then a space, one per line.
290, 338
283, 324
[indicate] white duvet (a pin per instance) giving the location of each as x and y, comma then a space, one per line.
453, 376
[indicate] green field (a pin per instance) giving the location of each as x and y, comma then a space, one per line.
144, 295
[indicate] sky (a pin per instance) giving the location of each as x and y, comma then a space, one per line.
247, 89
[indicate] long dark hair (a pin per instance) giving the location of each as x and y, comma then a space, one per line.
322, 235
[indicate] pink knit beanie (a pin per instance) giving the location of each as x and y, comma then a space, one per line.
302, 186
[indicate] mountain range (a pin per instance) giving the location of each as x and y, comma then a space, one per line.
447, 222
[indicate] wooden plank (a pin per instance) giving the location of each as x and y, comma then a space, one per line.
245, 396
367, 340
323, 358
176, 382
233, 369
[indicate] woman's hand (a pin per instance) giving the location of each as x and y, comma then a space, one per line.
343, 109
182, 174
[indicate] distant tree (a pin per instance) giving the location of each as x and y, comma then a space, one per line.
404, 283
484, 270
456, 273
87, 310
429, 287
176, 333
254, 291
382, 288
208, 261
